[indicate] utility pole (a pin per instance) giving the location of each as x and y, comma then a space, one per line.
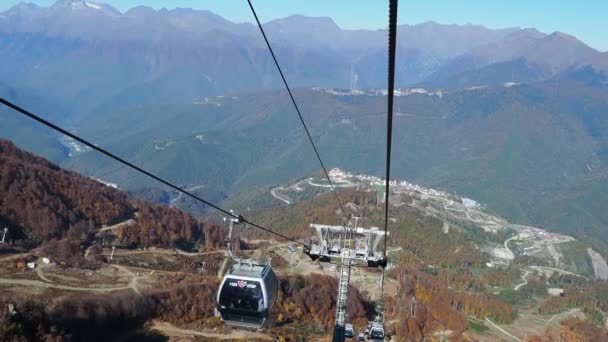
4, 235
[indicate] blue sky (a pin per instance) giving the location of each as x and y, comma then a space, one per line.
586, 19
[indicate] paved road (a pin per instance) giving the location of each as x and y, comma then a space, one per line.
507, 245
279, 197
345, 184
179, 196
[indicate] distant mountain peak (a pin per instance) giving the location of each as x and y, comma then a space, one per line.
563, 40
561, 36
23, 4
22, 8
74, 4
298, 20
141, 11
84, 5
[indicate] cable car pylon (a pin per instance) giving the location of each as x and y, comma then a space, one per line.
342, 297
350, 245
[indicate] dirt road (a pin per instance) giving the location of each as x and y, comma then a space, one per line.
48, 283
172, 331
133, 283
523, 278
118, 225
38, 283
502, 330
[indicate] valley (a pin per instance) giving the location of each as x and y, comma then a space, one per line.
482, 155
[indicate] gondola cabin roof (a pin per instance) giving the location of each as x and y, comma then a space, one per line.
249, 270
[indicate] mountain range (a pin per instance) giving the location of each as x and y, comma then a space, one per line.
92, 58
514, 118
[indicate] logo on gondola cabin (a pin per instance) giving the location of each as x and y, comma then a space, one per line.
241, 283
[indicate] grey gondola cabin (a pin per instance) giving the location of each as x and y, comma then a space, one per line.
246, 295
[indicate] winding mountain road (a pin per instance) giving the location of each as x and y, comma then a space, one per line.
172, 203
525, 281
279, 197
506, 244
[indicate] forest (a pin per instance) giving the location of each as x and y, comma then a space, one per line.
424, 303
591, 296
307, 301
97, 317
571, 330
39, 201
44, 205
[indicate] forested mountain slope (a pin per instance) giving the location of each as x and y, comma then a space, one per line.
40, 202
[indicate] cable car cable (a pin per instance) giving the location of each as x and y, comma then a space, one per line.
392, 43
132, 166
296, 106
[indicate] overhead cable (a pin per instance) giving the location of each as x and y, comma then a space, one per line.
331, 184
392, 43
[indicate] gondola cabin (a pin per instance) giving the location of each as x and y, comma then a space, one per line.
349, 330
376, 332
247, 294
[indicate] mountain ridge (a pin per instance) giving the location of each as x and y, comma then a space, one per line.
118, 60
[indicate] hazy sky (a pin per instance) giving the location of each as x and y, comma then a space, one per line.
586, 19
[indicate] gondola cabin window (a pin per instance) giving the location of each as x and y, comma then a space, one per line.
242, 295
